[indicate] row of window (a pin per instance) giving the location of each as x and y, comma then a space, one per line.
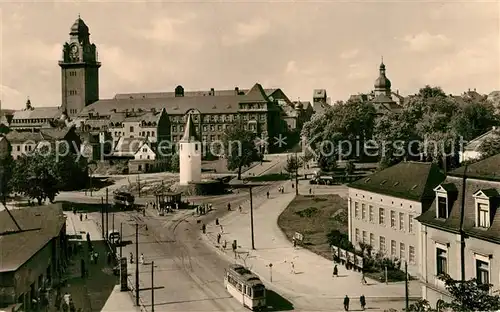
72, 92
241, 288
220, 117
367, 213
383, 248
482, 265
143, 133
482, 211
73, 111
72, 73
35, 120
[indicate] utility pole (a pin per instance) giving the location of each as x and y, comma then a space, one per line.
139, 185
121, 238
462, 233
90, 182
113, 221
137, 264
296, 175
102, 218
107, 221
406, 286
251, 218
152, 287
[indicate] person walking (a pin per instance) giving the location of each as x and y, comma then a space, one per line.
131, 258
292, 267
240, 208
218, 238
335, 271
346, 303
228, 206
267, 195
221, 229
362, 302
142, 259
310, 191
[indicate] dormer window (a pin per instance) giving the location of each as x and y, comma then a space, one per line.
445, 195
484, 209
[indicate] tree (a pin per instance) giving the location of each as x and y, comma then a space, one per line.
490, 146
467, 296
175, 163
429, 92
240, 148
350, 167
6, 171
293, 164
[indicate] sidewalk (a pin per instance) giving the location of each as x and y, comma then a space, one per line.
313, 273
117, 300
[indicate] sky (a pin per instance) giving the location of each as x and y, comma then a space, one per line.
297, 46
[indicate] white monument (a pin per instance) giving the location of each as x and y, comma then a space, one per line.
189, 155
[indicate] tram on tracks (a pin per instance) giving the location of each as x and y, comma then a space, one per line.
124, 200
246, 287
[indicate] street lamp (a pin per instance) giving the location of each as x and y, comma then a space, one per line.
249, 186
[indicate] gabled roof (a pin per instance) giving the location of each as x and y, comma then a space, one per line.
486, 169
452, 223
190, 134
255, 94
145, 143
489, 192
475, 144
128, 147
409, 180
38, 113
41, 224
162, 95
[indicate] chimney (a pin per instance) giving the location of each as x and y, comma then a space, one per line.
469, 90
474, 89
212, 91
397, 91
237, 90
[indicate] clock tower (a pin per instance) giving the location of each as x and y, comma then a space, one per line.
79, 70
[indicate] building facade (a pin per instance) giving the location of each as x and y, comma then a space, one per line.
472, 150
478, 215
33, 257
32, 119
382, 209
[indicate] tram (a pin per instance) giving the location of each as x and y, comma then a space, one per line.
246, 287
124, 200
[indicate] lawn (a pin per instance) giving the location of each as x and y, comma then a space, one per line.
315, 217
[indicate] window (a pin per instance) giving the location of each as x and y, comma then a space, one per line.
442, 210
410, 223
357, 235
393, 219
363, 211
212, 127
174, 128
356, 209
152, 133
219, 127
441, 261
372, 239
381, 216
401, 221
364, 237
131, 129
393, 248
205, 128
483, 215
370, 211
382, 244
411, 250
482, 271
18, 148
402, 251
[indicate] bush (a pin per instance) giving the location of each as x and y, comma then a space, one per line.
307, 213
340, 240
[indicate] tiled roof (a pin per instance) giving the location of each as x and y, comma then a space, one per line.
143, 116
223, 104
40, 225
452, 223
408, 180
38, 113
20, 137
127, 147
474, 144
160, 95
486, 169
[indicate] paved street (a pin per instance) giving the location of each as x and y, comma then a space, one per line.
311, 287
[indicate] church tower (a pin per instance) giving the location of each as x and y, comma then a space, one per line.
382, 84
79, 70
189, 155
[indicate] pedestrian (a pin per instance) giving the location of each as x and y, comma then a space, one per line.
268, 195
310, 191
239, 208
81, 217
86, 217
218, 238
362, 302
335, 271
346, 303
131, 258
294, 242
204, 228
88, 237
293, 185
221, 229
363, 279
197, 210
228, 206
142, 259
292, 267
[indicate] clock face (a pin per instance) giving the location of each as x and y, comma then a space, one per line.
74, 49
